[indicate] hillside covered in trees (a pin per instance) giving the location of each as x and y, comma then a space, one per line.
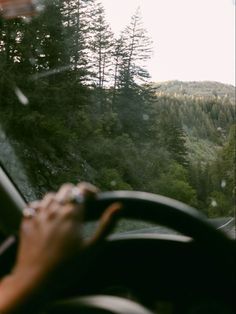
198, 89
77, 103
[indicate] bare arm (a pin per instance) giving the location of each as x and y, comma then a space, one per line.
45, 241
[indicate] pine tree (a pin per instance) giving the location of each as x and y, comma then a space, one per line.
101, 46
77, 16
132, 50
137, 49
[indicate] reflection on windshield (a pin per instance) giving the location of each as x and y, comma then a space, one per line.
12, 163
78, 103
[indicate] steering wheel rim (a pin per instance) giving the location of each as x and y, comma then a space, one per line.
106, 304
165, 211
162, 210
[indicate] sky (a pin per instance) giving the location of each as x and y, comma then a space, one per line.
193, 40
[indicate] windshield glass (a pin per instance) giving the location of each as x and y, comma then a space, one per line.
128, 95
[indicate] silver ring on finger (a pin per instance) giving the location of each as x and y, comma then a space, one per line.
29, 212
76, 197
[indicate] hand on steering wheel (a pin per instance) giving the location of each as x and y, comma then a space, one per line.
51, 234
56, 228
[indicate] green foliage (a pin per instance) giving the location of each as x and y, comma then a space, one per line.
201, 89
175, 184
220, 205
223, 173
110, 179
92, 115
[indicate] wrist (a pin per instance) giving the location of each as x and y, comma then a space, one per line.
19, 288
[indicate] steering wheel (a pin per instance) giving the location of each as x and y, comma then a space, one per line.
161, 210
181, 270
199, 266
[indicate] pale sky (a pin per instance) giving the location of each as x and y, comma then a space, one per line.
194, 40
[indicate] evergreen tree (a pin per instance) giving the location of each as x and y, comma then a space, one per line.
223, 176
137, 49
132, 50
91, 115
101, 47
77, 22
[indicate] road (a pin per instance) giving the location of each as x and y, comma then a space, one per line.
229, 227
225, 224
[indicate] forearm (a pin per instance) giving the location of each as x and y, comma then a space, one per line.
18, 290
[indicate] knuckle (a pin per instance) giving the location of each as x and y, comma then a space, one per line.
66, 186
87, 189
49, 196
68, 212
34, 204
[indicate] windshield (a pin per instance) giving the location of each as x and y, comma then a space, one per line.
128, 95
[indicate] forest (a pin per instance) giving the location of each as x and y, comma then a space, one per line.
77, 103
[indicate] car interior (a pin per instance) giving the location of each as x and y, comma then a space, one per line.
189, 273
82, 100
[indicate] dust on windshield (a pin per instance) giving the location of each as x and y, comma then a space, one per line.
79, 103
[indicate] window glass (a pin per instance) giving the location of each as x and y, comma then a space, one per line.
128, 95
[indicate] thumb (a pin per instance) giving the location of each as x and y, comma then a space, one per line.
106, 224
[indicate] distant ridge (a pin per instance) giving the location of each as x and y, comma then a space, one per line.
197, 89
